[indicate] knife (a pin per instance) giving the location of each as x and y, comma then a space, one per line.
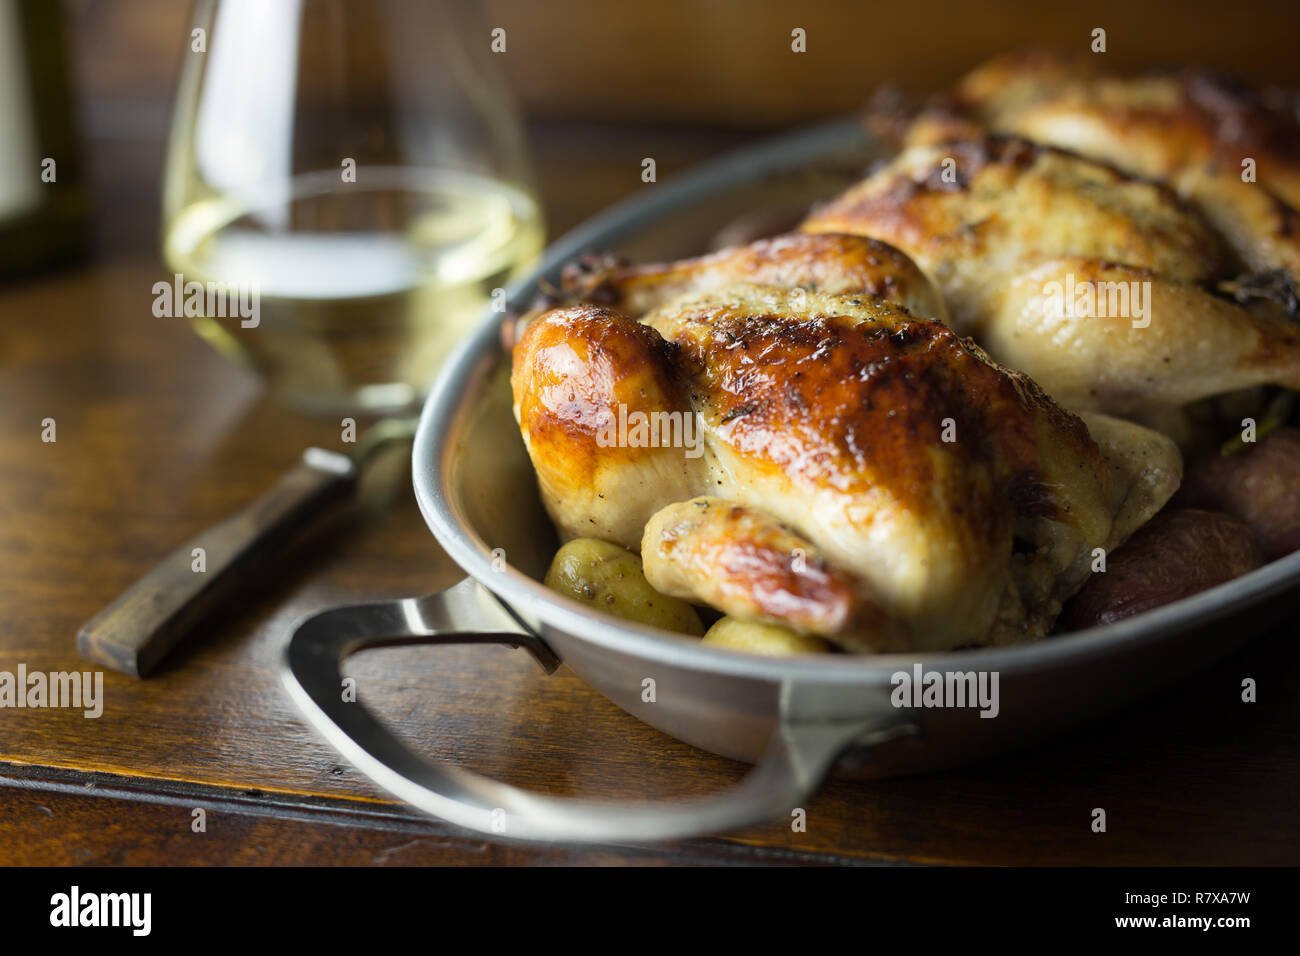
136, 632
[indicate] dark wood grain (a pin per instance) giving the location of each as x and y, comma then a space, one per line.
146, 622
61, 819
159, 437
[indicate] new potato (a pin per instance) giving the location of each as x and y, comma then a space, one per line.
768, 639
1259, 485
610, 579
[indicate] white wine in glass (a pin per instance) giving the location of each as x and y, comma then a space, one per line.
354, 174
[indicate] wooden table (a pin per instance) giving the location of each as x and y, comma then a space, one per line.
158, 437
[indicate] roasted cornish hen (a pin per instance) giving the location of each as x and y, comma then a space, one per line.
865, 475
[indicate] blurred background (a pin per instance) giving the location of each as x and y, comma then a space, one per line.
676, 79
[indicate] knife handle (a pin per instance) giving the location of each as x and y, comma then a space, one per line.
136, 631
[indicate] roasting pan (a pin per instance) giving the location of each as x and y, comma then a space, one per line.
795, 719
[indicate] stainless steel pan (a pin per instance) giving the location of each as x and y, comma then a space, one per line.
793, 718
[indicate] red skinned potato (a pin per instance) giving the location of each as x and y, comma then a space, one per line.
1174, 555
1260, 485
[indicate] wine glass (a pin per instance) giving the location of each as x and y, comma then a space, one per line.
346, 187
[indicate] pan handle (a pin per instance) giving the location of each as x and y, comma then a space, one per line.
797, 758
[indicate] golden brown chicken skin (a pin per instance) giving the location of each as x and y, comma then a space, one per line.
1188, 129
1032, 247
838, 264
572, 368
742, 562
972, 212
861, 474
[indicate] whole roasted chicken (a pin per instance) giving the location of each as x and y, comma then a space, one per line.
814, 447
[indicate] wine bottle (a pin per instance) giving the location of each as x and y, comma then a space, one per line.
43, 201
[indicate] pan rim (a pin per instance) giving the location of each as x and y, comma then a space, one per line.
464, 376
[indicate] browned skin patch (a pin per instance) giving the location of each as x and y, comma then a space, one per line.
1207, 115
1190, 129
927, 216
744, 563
828, 400
1227, 120
851, 406
573, 367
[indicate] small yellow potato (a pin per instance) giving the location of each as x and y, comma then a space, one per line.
610, 579
769, 639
